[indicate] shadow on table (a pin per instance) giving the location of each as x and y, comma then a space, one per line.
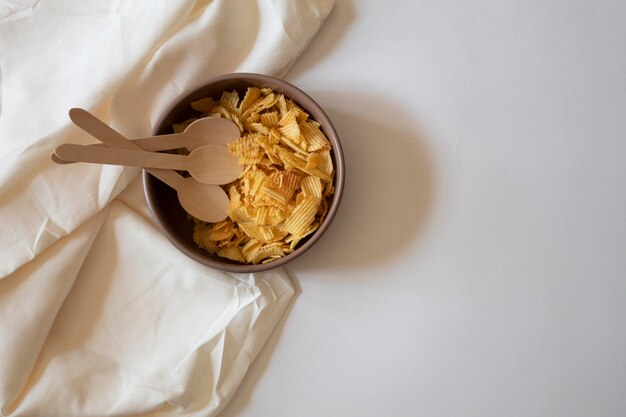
388, 194
389, 184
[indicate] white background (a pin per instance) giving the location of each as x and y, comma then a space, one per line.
477, 266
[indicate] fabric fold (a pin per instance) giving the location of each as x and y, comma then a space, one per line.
99, 313
135, 334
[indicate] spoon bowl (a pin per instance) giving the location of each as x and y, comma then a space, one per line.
205, 202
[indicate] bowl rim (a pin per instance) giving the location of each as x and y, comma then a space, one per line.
339, 180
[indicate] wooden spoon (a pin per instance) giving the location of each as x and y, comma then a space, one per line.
205, 131
210, 164
203, 201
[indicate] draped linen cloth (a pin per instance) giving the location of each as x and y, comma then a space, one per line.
99, 313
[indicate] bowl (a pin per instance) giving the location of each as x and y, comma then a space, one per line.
163, 201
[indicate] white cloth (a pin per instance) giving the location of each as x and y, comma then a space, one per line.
99, 314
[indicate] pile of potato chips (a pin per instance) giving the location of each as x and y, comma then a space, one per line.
282, 194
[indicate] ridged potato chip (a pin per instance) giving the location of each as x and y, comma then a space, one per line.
281, 197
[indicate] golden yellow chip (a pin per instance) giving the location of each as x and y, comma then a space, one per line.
313, 137
223, 230
262, 215
257, 127
282, 194
257, 232
200, 237
294, 240
231, 251
329, 189
234, 196
250, 249
288, 118
272, 250
204, 105
314, 160
291, 131
246, 148
252, 95
270, 119
294, 145
241, 214
277, 216
230, 101
312, 187
290, 159
301, 115
279, 196
327, 162
291, 179
265, 103
301, 217
282, 105
323, 165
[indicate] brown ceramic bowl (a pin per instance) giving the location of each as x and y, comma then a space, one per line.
163, 202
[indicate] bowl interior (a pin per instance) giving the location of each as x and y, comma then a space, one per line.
163, 201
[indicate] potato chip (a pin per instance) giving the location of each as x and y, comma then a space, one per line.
246, 148
232, 252
262, 215
234, 197
200, 237
312, 187
257, 127
320, 165
302, 216
223, 230
282, 194
291, 180
294, 240
230, 101
314, 160
278, 195
241, 214
301, 115
252, 95
282, 105
221, 111
291, 131
257, 232
204, 105
313, 137
270, 119
290, 159
294, 145
327, 163
276, 250
265, 103
329, 189
250, 250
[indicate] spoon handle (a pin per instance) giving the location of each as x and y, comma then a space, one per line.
109, 136
161, 143
116, 156
100, 130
